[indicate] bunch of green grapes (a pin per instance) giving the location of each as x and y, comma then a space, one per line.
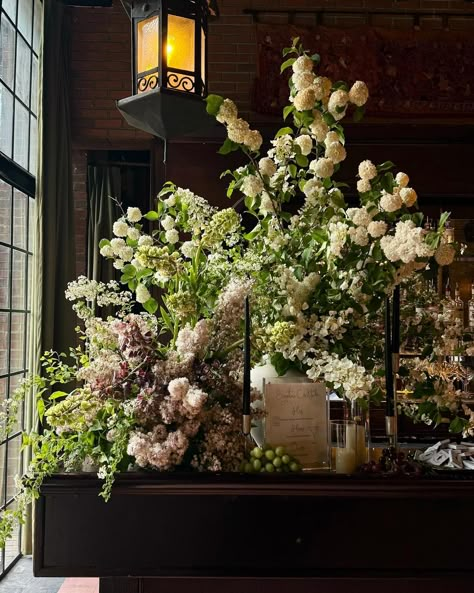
269, 459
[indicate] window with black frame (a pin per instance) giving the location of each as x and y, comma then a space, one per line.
20, 34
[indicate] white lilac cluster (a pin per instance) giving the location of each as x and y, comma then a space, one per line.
349, 378
90, 293
238, 130
407, 244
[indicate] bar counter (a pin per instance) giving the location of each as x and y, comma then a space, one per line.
209, 533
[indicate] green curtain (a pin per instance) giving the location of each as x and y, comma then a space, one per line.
52, 319
104, 183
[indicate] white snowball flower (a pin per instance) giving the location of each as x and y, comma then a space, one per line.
367, 170
145, 240
168, 222
303, 64
337, 103
336, 152
134, 214
402, 179
305, 143
238, 130
408, 196
267, 167
253, 140
302, 80
360, 216
106, 251
117, 245
444, 255
322, 87
252, 186
390, 202
120, 228
359, 93
305, 99
312, 187
266, 204
377, 228
142, 294
172, 236
322, 167
126, 253
227, 112
118, 264
188, 249
331, 137
363, 185
359, 236
133, 234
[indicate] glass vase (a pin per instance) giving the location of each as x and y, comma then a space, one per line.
356, 412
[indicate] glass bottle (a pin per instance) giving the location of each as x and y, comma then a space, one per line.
448, 303
470, 308
458, 305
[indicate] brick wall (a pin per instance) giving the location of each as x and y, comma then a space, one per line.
101, 74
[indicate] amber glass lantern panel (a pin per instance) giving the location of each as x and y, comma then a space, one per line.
203, 58
147, 53
180, 52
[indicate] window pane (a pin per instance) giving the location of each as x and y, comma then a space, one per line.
2, 456
14, 465
15, 382
34, 86
17, 342
33, 145
20, 205
37, 25
4, 277
12, 547
9, 6
6, 120
25, 18
23, 76
4, 343
22, 124
18, 280
7, 52
5, 211
31, 223
29, 276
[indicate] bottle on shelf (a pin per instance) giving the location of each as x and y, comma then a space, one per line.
458, 305
470, 309
448, 303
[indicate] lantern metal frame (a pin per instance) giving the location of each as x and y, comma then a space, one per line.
167, 77
170, 103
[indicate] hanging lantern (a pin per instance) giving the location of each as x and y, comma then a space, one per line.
169, 64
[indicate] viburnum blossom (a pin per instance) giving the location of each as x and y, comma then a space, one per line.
359, 93
322, 167
444, 254
267, 167
305, 143
227, 112
367, 170
303, 64
390, 202
305, 99
134, 214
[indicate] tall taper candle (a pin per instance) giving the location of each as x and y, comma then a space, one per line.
389, 406
246, 386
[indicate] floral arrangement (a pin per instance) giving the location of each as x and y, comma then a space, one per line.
160, 388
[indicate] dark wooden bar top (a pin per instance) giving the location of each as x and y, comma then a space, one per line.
230, 532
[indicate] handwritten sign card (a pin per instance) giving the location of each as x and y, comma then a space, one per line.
297, 418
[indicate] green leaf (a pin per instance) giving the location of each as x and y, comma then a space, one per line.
328, 118
287, 110
283, 131
443, 219
280, 363
151, 306
57, 395
293, 170
302, 160
40, 408
457, 424
152, 215
316, 58
387, 182
340, 84
386, 166
337, 199
103, 243
228, 147
144, 273
288, 50
230, 189
213, 103
286, 64
166, 318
